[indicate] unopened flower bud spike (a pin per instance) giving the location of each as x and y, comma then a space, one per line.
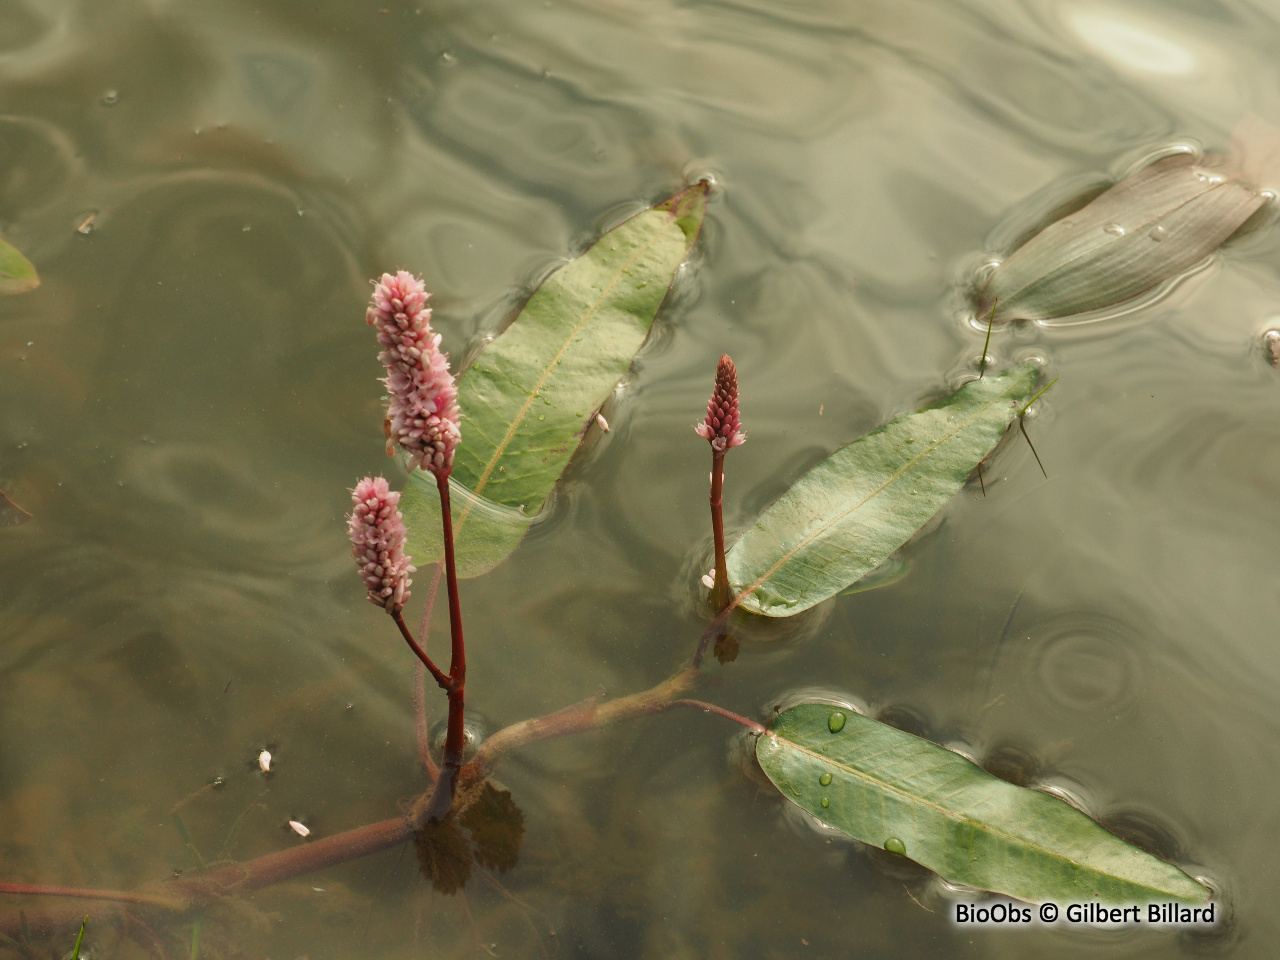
720, 429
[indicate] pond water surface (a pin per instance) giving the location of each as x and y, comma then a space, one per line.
206, 188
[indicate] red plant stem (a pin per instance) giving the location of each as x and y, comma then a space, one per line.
720, 590
720, 712
177, 896
82, 893
440, 678
455, 737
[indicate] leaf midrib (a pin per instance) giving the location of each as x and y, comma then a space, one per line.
961, 818
524, 410
786, 557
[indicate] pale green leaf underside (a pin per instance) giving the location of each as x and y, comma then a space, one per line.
17, 275
953, 817
531, 395
1149, 228
845, 517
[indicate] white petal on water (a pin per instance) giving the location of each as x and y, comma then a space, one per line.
301, 829
264, 761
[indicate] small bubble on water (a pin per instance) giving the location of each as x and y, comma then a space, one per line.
894, 845
825, 779
1114, 229
835, 722
246, 228
447, 56
110, 98
1158, 233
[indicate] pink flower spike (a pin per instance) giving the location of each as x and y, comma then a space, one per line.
422, 415
377, 542
721, 425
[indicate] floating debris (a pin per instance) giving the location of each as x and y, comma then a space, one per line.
604, 424
300, 828
264, 761
1271, 344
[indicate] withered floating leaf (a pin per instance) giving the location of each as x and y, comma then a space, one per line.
1149, 228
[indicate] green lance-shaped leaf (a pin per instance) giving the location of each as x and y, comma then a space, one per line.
845, 517
17, 275
1147, 229
896, 791
529, 398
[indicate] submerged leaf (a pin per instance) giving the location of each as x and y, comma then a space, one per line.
529, 398
496, 826
1147, 229
843, 518
444, 856
909, 796
17, 275
11, 515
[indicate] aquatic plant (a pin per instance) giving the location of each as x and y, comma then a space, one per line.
720, 429
530, 398
1146, 230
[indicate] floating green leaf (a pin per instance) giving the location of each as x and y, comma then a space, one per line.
845, 517
529, 398
1148, 228
17, 275
896, 791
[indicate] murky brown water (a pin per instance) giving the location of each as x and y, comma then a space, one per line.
188, 396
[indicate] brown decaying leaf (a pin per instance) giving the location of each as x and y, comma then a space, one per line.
496, 828
496, 825
726, 648
11, 515
444, 855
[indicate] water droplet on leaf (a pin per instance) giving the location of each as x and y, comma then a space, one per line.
825, 779
835, 722
1158, 233
1114, 229
894, 845
825, 802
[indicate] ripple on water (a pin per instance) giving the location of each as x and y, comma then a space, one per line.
1085, 662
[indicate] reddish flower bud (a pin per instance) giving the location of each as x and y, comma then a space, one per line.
721, 425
